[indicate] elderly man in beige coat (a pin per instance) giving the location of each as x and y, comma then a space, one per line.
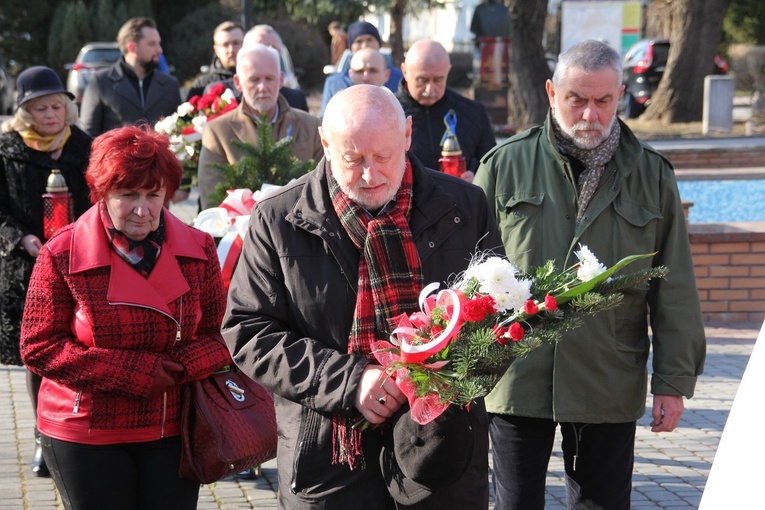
259, 78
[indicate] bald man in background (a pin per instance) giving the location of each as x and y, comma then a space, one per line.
368, 66
426, 98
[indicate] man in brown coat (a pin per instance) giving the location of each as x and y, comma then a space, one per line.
259, 78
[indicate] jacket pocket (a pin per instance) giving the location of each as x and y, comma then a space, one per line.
520, 223
638, 215
635, 229
520, 208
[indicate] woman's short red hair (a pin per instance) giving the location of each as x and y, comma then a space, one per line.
132, 158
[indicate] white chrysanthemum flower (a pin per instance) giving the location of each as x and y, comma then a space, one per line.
199, 122
178, 147
494, 269
166, 126
589, 265
185, 109
519, 294
228, 96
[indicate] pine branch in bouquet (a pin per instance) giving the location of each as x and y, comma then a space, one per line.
269, 161
621, 283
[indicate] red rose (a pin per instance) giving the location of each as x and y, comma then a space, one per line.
194, 101
187, 130
550, 303
516, 331
217, 89
530, 307
500, 334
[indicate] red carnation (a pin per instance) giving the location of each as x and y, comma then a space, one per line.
205, 102
217, 89
530, 307
550, 303
516, 331
478, 308
500, 334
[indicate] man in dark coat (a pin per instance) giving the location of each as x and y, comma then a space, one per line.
130, 91
424, 96
301, 306
228, 38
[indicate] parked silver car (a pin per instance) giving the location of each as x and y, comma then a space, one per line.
92, 57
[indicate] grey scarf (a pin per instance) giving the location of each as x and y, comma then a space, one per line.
594, 160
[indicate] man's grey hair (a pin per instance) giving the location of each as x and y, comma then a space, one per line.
268, 29
588, 56
256, 48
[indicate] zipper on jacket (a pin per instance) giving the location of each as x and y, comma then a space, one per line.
164, 416
178, 323
301, 439
177, 339
77, 399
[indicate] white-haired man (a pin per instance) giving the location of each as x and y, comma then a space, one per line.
259, 78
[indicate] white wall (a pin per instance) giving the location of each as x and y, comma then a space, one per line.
449, 25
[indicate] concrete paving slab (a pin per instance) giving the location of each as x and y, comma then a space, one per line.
670, 469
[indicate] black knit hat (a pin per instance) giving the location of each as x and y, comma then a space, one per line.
38, 81
358, 28
418, 459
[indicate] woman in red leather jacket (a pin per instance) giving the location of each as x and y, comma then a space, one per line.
123, 308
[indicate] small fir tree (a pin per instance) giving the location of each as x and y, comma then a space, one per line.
268, 162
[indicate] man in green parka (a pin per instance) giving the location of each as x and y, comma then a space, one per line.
583, 178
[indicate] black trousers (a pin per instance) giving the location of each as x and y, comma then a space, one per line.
598, 460
125, 476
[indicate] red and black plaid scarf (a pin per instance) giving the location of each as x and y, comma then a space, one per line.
140, 254
390, 280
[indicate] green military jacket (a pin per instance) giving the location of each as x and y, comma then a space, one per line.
598, 373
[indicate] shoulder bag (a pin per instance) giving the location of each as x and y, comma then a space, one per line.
228, 426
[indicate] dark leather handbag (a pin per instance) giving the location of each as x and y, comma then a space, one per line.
228, 426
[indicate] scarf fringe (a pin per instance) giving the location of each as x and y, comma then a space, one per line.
346, 443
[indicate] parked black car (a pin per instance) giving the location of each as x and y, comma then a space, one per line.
642, 67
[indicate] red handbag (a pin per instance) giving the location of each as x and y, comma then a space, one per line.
228, 426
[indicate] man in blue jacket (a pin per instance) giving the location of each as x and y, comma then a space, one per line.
361, 34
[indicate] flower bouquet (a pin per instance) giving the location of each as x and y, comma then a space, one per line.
465, 337
184, 127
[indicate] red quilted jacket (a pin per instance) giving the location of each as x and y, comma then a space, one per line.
95, 329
